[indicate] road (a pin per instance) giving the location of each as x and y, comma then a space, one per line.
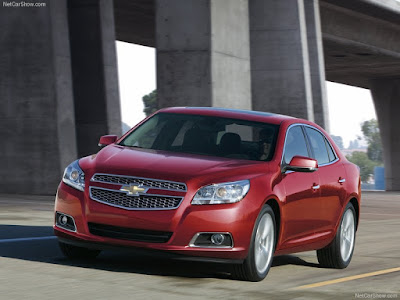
32, 266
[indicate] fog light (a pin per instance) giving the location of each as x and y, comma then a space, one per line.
63, 219
217, 239
212, 240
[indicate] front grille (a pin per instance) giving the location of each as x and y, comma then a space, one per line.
131, 234
122, 200
146, 182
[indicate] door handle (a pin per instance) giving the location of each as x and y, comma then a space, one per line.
341, 180
315, 187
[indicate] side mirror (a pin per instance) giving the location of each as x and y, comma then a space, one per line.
107, 140
301, 164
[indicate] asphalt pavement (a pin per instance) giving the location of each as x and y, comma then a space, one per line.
32, 266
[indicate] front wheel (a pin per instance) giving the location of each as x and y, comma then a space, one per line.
339, 253
262, 247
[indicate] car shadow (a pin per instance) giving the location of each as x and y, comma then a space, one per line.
46, 250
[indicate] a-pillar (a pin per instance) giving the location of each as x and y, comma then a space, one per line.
203, 53
280, 66
386, 95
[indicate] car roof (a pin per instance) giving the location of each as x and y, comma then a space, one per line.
242, 114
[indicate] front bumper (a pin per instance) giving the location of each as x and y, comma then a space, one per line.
184, 223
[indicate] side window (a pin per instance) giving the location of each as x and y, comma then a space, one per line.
295, 144
318, 145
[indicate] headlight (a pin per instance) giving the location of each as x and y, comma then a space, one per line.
228, 192
74, 176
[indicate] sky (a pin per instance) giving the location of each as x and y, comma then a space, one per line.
348, 106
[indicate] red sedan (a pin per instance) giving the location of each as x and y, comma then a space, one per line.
221, 184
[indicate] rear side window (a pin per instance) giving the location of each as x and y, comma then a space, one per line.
332, 155
318, 145
295, 144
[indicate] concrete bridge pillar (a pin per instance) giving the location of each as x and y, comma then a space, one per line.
203, 53
317, 63
287, 66
386, 95
94, 72
58, 90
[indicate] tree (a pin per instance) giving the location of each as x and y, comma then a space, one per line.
371, 133
150, 103
338, 141
364, 163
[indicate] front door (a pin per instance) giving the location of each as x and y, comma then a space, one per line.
302, 192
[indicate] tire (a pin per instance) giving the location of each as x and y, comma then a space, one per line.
75, 252
262, 247
338, 254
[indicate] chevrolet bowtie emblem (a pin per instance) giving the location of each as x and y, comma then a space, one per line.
133, 190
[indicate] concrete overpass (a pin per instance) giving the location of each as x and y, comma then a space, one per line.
58, 73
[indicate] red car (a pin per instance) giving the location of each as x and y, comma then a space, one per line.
221, 184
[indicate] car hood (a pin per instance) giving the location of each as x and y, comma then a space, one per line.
115, 159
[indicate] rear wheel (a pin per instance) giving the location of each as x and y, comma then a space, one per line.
339, 253
262, 247
75, 252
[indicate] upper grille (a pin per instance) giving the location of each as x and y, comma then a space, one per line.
152, 183
122, 200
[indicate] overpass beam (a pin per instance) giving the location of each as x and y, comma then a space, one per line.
386, 95
203, 53
287, 66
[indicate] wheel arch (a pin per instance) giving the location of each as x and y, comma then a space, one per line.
356, 206
273, 203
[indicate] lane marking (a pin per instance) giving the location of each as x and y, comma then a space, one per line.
377, 214
40, 238
344, 279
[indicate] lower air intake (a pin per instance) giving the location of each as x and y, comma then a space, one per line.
131, 234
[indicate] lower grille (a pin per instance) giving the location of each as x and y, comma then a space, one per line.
141, 202
124, 233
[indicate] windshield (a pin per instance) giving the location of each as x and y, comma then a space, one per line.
205, 135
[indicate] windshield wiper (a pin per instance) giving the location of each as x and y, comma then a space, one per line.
131, 146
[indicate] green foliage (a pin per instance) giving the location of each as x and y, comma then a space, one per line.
150, 103
371, 133
362, 160
338, 141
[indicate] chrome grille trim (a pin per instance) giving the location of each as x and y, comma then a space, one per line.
120, 199
144, 182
